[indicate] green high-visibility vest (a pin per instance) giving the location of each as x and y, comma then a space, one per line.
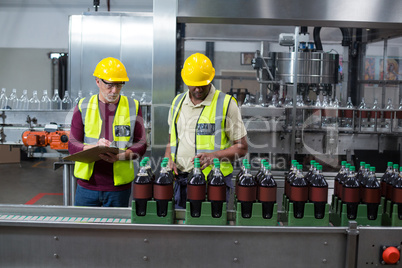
123, 132
210, 133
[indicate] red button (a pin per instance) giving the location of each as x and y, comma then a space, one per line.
391, 255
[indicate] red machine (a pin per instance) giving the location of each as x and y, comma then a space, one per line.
58, 140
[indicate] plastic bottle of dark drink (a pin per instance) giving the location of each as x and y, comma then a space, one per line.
149, 169
318, 193
261, 171
338, 178
342, 180
142, 190
168, 169
390, 182
163, 191
196, 189
351, 194
298, 193
267, 192
384, 178
371, 194
216, 190
359, 173
397, 194
244, 162
290, 177
246, 192
310, 171
365, 175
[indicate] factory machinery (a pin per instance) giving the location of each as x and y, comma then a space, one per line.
293, 127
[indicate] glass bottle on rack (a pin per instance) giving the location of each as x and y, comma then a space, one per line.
375, 115
77, 100
338, 112
34, 102
13, 100
388, 114
348, 114
56, 101
67, 102
363, 113
23, 101
316, 115
45, 102
3, 99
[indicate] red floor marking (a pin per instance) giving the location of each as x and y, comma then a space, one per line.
39, 196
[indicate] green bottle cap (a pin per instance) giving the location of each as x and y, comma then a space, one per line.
319, 167
347, 165
344, 163
299, 167
400, 169
146, 158
362, 163
352, 168
142, 164
390, 164
396, 166
312, 162
196, 160
367, 166
372, 169
163, 164
197, 164
269, 166
217, 164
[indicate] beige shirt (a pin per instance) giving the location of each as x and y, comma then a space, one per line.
187, 122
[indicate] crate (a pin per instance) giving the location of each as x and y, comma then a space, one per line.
391, 219
206, 215
151, 216
341, 219
308, 217
256, 218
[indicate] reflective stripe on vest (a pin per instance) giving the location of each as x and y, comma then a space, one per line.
210, 128
123, 133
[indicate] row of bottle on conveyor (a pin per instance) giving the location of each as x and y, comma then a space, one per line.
362, 187
147, 188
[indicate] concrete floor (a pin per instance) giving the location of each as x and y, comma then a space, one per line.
32, 181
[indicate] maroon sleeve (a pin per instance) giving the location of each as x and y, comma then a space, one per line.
75, 143
140, 137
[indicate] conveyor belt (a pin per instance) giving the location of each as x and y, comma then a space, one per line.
62, 219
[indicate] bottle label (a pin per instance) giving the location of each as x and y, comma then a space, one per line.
163, 192
216, 193
196, 192
142, 191
371, 195
247, 194
351, 195
318, 194
298, 194
397, 195
267, 194
348, 113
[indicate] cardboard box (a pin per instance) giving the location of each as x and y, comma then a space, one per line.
10, 154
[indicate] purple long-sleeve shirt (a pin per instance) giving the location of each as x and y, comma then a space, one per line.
102, 177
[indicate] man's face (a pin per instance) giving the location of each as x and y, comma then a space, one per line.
109, 91
199, 93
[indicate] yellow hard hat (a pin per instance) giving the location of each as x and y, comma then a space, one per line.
197, 70
111, 69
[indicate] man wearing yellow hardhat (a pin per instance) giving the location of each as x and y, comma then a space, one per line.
107, 119
204, 123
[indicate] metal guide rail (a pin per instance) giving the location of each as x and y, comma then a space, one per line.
53, 236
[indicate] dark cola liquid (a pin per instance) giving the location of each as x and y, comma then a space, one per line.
246, 194
216, 193
318, 195
267, 195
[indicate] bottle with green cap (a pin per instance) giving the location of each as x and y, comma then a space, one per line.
168, 169
359, 173
390, 181
216, 190
343, 179
142, 190
384, 178
149, 169
196, 189
338, 177
371, 194
246, 192
261, 171
351, 194
290, 176
397, 194
163, 191
318, 192
298, 193
310, 172
266, 193
365, 175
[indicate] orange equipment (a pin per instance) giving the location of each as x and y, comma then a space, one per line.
58, 140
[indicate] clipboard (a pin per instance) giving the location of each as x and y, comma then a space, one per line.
92, 155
